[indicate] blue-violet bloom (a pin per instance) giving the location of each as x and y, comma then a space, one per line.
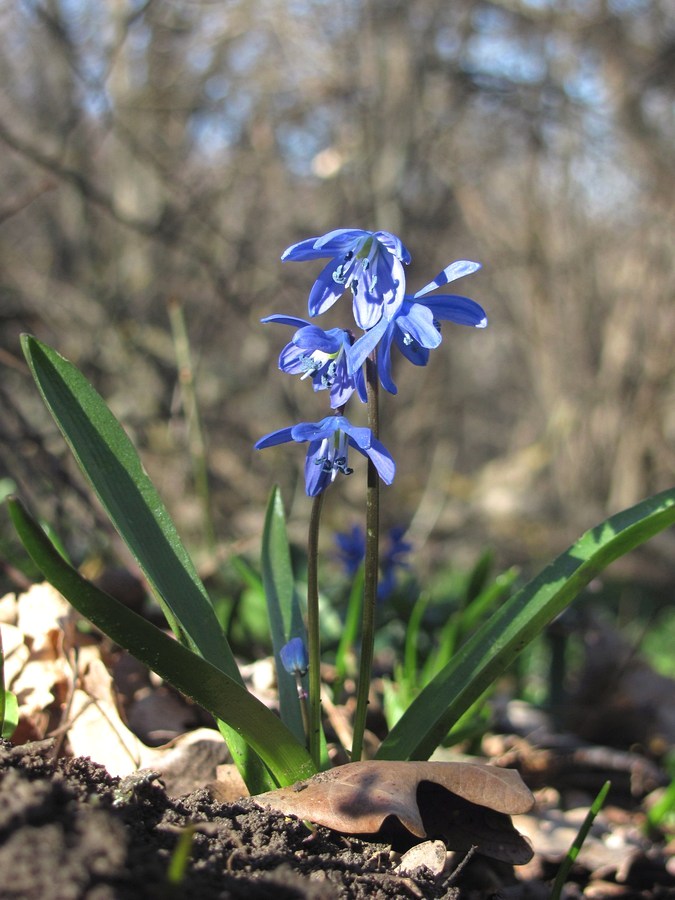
323, 356
352, 552
351, 549
368, 262
294, 657
416, 329
393, 560
327, 454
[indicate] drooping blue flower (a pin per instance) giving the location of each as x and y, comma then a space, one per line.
416, 329
368, 262
328, 451
294, 657
321, 355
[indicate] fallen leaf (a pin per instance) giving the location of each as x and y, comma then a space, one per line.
464, 803
429, 855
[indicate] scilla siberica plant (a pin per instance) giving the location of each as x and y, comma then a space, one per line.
371, 266
272, 750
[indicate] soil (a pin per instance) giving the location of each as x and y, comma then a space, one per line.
70, 830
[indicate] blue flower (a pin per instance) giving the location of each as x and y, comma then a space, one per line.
327, 454
393, 560
415, 328
352, 551
323, 356
294, 657
368, 262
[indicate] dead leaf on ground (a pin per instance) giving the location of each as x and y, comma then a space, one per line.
464, 803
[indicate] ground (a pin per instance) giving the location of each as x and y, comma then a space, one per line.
70, 830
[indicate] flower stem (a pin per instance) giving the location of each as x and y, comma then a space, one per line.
371, 572
314, 650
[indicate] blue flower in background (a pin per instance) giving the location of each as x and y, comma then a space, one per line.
368, 262
352, 550
392, 560
294, 657
328, 451
321, 355
415, 329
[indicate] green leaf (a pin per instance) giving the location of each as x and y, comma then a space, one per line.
499, 641
10, 714
194, 676
112, 466
283, 608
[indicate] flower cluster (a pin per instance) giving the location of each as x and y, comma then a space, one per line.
371, 265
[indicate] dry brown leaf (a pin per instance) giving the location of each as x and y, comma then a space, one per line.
464, 803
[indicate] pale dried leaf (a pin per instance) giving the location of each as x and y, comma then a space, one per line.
429, 855
8, 609
15, 651
42, 613
465, 803
97, 730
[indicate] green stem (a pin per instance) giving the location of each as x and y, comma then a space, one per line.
371, 572
314, 653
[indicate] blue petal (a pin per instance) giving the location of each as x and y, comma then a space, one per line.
302, 251
394, 245
313, 338
394, 299
286, 320
316, 478
455, 270
292, 360
419, 324
325, 290
360, 437
275, 437
384, 364
416, 353
461, 310
357, 354
380, 456
317, 431
294, 656
339, 240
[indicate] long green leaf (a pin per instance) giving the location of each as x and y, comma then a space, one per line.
483, 658
283, 607
194, 676
112, 466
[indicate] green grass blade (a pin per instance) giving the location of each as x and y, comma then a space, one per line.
577, 843
194, 676
344, 653
499, 641
283, 607
113, 468
9, 707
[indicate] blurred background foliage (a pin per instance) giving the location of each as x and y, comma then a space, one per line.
165, 152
